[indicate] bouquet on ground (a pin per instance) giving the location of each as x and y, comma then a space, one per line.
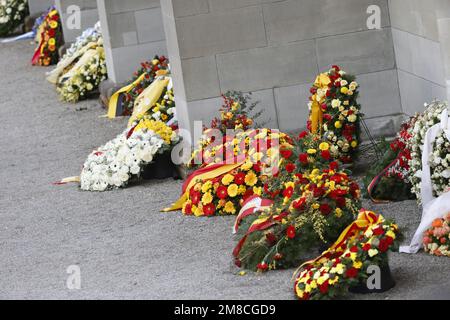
363, 244
307, 205
388, 178
85, 76
125, 98
125, 157
425, 121
439, 162
89, 39
50, 39
237, 114
335, 112
252, 157
436, 240
12, 15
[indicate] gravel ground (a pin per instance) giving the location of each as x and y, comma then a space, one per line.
124, 246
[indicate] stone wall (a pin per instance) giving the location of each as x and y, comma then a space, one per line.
275, 49
133, 32
418, 52
88, 17
39, 6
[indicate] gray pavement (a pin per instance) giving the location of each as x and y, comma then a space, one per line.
124, 246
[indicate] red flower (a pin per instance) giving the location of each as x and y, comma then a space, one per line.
278, 256
336, 68
262, 266
383, 246
195, 197
290, 167
188, 209
378, 231
222, 192
324, 287
352, 273
303, 134
354, 249
257, 167
325, 209
326, 155
303, 158
209, 209
239, 178
286, 153
290, 232
287, 193
299, 204
367, 247
247, 194
334, 166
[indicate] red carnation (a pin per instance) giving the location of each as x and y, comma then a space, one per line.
384, 245
239, 178
378, 231
209, 209
290, 167
334, 165
354, 249
286, 153
303, 134
299, 204
262, 266
303, 158
367, 247
352, 273
324, 287
290, 232
325, 209
326, 155
195, 197
188, 209
222, 192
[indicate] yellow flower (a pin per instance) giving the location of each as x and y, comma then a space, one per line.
207, 198
312, 151
354, 144
235, 106
338, 125
344, 90
51, 42
340, 268
251, 179
335, 280
206, 186
357, 264
155, 62
324, 146
391, 234
233, 190
229, 208
227, 179
338, 212
247, 165
53, 24
257, 190
316, 206
242, 189
197, 211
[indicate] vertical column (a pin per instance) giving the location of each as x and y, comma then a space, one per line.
88, 16
443, 22
39, 6
133, 32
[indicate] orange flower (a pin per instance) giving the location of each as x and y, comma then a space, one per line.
437, 223
51, 48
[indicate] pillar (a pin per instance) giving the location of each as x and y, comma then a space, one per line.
133, 32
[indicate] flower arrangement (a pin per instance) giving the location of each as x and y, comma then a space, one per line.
388, 179
335, 112
439, 162
164, 109
12, 14
436, 240
425, 121
308, 211
90, 35
117, 162
85, 76
365, 243
253, 154
141, 80
50, 40
234, 116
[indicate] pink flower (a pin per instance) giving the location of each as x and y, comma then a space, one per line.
427, 240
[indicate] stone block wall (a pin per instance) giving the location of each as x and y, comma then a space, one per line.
133, 32
88, 17
39, 6
418, 51
275, 49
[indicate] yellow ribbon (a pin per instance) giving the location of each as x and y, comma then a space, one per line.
322, 81
178, 205
149, 97
112, 106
